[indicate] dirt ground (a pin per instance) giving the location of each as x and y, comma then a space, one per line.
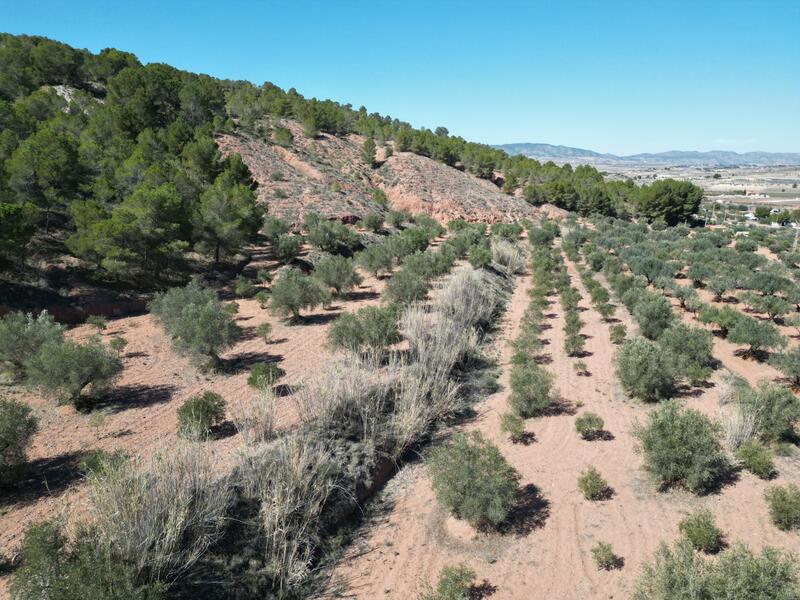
546, 553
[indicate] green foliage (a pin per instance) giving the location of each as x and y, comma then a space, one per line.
367, 152
669, 200
337, 272
274, 228
17, 427
690, 349
653, 314
118, 344
17, 225
454, 583
196, 321
97, 321
788, 363
592, 485
373, 221
756, 458
700, 530
98, 462
473, 480
737, 573
774, 409
589, 425
332, 236
617, 333
54, 567
263, 330
531, 390
513, 425
293, 291
198, 414
604, 557
645, 370
287, 247
784, 506
372, 327
376, 259
480, 256
282, 137
64, 369
263, 375
244, 288
22, 336
681, 447
406, 286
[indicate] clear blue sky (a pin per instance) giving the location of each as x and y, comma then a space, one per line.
623, 77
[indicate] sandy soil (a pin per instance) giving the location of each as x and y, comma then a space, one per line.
547, 553
140, 414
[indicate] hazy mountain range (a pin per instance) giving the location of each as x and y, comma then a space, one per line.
714, 158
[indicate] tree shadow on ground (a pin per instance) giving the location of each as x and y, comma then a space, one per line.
601, 435
482, 590
223, 430
241, 362
530, 513
526, 438
560, 406
356, 295
44, 477
125, 397
317, 319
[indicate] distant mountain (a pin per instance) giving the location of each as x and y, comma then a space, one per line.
714, 158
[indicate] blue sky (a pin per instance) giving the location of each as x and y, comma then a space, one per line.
622, 77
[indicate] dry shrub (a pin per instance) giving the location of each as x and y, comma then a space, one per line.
162, 515
738, 426
292, 479
508, 255
467, 298
254, 419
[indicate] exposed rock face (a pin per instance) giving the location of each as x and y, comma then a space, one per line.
327, 175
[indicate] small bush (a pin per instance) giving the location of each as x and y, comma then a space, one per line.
287, 247
199, 414
293, 291
454, 584
757, 458
480, 256
262, 297
332, 236
589, 425
653, 314
97, 321
700, 530
282, 136
66, 369
681, 447
604, 556
376, 259
513, 425
17, 427
264, 330
644, 370
98, 461
337, 273
373, 221
197, 321
592, 485
244, 288
580, 368
531, 390
617, 333
473, 480
118, 344
690, 349
21, 337
784, 506
406, 287
264, 375
574, 344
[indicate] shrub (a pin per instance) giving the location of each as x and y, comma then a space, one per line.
774, 409
788, 363
64, 369
617, 333
396, 218
700, 530
604, 556
644, 370
589, 425
263, 276
254, 418
21, 337
337, 272
580, 368
118, 344
376, 258
97, 321
784, 506
480, 256
274, 228
287, 247
690, 349
198, 414
17, 427
508, 255
574, 344
757, 458
264, 330
473, 480
262, 297
653, 314
293, 291
197, 321
97, 462
282, 136
679, 572
592, 485
725, 318
244, 288
332, 236
513, 425
757, 335
373, 221
454, 583
405, 287
264, 375
681, 447
531, 390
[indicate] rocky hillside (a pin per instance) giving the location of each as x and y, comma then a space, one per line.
326, 175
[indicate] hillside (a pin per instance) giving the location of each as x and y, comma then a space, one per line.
714, 158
